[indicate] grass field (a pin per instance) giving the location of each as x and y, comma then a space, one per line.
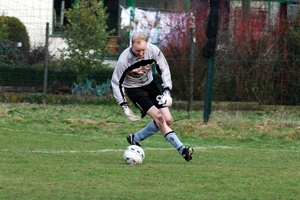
76, 152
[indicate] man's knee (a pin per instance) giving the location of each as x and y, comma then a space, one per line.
162, 119
169, 121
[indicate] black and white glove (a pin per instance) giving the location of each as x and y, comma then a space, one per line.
165, 99
131, 116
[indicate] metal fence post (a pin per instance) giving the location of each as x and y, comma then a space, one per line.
46, 59
130, 3
192, 51
208, 52
208, 88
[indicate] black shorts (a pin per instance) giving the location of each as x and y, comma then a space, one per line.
144, 97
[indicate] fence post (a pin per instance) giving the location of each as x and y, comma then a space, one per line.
208, 52
192, 51
46, 59
130, 3
208, 88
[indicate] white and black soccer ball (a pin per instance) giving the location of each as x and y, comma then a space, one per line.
134, 154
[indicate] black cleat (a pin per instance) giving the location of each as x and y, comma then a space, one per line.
187, 153
130, 140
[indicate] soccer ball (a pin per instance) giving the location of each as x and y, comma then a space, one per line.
134, 154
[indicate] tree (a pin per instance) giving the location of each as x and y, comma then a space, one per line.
3, 28
12, 32
177, 49
86, 37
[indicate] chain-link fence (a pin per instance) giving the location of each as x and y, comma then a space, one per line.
255, 62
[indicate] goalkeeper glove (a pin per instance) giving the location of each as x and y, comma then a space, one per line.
131, 116
165, 99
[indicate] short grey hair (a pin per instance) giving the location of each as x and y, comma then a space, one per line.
138, 37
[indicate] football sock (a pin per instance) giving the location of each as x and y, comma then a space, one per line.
146, 132
174, 140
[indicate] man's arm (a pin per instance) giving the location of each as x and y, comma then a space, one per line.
119, 93
164, 69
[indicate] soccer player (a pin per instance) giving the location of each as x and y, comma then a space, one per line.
133, 76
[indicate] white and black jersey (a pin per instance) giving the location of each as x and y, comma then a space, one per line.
134, 72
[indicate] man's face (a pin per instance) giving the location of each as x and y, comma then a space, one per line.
139, 48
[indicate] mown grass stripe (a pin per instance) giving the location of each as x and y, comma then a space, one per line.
146, 149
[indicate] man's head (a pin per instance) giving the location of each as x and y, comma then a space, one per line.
139, 44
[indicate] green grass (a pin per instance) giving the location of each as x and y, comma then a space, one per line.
76, 152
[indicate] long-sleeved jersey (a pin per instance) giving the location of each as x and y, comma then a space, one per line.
134, 72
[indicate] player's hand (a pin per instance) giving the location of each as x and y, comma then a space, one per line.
131, 116
168, 98
165, 99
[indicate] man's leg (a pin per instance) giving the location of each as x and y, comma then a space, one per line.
146, 132
169, 134
186, 152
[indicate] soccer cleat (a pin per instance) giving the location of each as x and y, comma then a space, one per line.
130, 140
187, 153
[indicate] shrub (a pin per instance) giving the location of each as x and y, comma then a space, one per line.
91, 88
3, 28
86, 36
9, 54
100, 75
176, 47
36, 56
251, 66
15, 32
